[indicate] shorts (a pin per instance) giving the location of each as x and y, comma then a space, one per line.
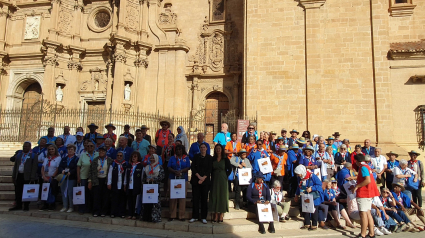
364, 204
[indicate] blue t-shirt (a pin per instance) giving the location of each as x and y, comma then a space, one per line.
365, 172
184, 163
222, 138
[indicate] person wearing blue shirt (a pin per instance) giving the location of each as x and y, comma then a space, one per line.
110, 150
178, 165
255, 155
405, 204
139, 144
194, 148
127, 151
50, 138
391, 164
345, 175
291, 163
307, 158
330, 142
309, 183
367, 149
293, 139
223, 136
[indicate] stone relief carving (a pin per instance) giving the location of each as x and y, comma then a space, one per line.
74, 65
218, 10
217, 51
132, 15
128, 77
168, 17
97, 82
65, 20
32, 28
141, 61
60, 79
119, 57
50, 60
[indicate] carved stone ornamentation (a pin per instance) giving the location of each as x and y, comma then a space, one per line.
50, 60
65, 20
119, 57
74, 65
217, 52
168, 17
32, 28
132, 15
141, 62
98, 81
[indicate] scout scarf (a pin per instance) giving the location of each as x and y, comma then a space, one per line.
276, 195
259, 187
24, 158
133, 167
120, 165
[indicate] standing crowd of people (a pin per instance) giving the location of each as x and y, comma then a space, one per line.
383, 195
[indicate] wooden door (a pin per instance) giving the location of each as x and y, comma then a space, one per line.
217, 104
97, 114
31, 113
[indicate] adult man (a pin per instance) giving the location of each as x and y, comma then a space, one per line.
140, 145
326, 162
337, 141
283, 134
291, 164
79, 144
380, 163
194, 148
320, 141
161, 136
24, 171
110, 134
122, 146
92, 134
293, 139
147, 137
344, 175
100, 141
418, 167
128, 135
365, 190
223, 136
250, 132
367, 149
50, 138
67, 137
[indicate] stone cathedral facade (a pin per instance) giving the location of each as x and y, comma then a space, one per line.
357, 67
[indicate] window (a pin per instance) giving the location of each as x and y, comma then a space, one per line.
401, 8
420, 125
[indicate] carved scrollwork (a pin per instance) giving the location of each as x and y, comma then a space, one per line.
141, 62
168, 17
217, 52
119, 57
74, 65
132, 15
50, 60
65, 20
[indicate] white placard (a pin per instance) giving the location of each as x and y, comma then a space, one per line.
177, 188
244, 176
317, 173
45, 191
347, 186
265, 165
150, 193
78, 195
30, 192
265, 213
307, 203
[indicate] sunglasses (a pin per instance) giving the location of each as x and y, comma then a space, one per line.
119, 155
90, 146
251, 128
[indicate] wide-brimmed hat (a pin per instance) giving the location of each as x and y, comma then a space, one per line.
280, 138
149, 146
283, 147
165, 122
99, 136
110, 125
273, 132
61, 178
93, 125
302, 140
294, 131
102, 148
336, 134
330, 138
414, 152
308, 148
241, 151
258, 174
283, 129
80, 133
399, 185
392, 153
333, 180
294, 147
145, 127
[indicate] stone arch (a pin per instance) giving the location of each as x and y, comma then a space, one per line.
17, 87
212, 90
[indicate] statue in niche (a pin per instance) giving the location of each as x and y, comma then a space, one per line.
127, 92
59, 94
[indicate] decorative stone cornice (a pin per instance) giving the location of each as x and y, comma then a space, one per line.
74, 65
407, 50
401, 9
418, 79
311, 4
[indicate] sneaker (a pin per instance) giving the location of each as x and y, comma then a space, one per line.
70, 210
378, 232
204, 221
63, 209
193, 220
385, 231
402, 227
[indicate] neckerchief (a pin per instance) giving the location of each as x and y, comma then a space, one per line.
68, 160
310, 160
178, 161
307, 176
234, 144
251, 147
49, 140
65, 138
384, 201
267, 144
279, 165
120, 165
330, 195
125, 135
168, 150
343, 156
24, 158
276, 195
392, 164
321, 155
399, 198
133, 167
151, 169
146, 159
138, 144
79, 146
90, 156
102, 162
264, 154
412, 164
109, 135
259, 187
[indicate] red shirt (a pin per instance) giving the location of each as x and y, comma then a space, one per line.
370, 190
162, 137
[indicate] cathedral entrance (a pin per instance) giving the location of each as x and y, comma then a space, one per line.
96, 113
31, 113
216, 106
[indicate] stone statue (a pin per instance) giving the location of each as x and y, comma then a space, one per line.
127, 92
59, 94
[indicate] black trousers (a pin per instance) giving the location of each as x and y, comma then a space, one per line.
253, 208
313, 217
101, 198
417, 195
87, 207
279, 178
200, 195
19, 188
158, 150
238, 189
131, 201
293, 183
118, 202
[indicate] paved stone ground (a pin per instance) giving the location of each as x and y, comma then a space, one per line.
12, 226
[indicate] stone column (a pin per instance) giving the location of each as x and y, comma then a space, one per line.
181, 100
53, 19
74, 67
141, 63
78, 8
3, 23
119, 59
50, 62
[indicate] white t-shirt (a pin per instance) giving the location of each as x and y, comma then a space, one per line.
377, 202
398, 171
69, 139
49, 170
379, 163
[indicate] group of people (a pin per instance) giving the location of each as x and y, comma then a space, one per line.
113, 176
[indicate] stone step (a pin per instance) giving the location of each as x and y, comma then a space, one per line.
6, 162
6, 203
5, 179
7, 195
5, 171
7, 187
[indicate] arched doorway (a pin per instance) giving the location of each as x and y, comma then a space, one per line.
31, 113
216, 105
